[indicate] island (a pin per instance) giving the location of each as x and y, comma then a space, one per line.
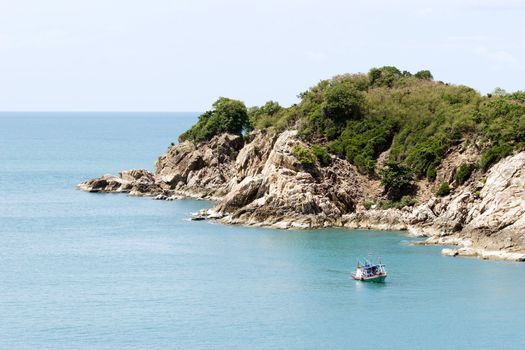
386, 150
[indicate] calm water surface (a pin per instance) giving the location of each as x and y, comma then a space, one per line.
106, 271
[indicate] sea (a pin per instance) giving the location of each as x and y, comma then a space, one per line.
109, 271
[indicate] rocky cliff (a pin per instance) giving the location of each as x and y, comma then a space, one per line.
258, 181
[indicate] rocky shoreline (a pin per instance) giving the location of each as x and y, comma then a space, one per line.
257, 181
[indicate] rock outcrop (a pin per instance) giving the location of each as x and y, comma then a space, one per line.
200, 171
135, 182
258, 181
275, 189
484, 219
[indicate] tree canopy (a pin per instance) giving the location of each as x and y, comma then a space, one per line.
342, 102
396, 179
358, 116
227, 115
424, 74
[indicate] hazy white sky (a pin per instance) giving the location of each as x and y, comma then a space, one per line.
180, 55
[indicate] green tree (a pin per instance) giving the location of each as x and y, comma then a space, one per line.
227, 115
384, 76
396, 179
424, 74
342, 101
231, 115
499, 92
264, 116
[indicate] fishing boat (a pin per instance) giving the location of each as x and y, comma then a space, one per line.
370, 272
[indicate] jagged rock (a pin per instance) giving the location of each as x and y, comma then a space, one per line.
242, 194
453, 217
135, 175
205, 214
276, 190
201, 170
389, 219
134, 182
106, 183
449, 252
500, 214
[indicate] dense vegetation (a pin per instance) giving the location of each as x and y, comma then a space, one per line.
359, 116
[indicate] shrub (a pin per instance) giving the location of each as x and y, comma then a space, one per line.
304, 155
443, 190
494, 154
264, 116
322, 155
405, 201
431, 173
463, 173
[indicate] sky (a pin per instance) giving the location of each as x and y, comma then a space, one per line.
181, 55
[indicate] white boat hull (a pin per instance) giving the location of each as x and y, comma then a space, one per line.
376, 278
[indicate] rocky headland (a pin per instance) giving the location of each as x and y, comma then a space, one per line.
387, 150
259, 182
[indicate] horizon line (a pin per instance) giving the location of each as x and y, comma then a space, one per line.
94, 111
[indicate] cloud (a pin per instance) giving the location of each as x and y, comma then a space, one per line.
480, 45
497, 56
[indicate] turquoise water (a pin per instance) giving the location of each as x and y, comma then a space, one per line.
106, 271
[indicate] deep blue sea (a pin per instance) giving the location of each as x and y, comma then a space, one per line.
108, 271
